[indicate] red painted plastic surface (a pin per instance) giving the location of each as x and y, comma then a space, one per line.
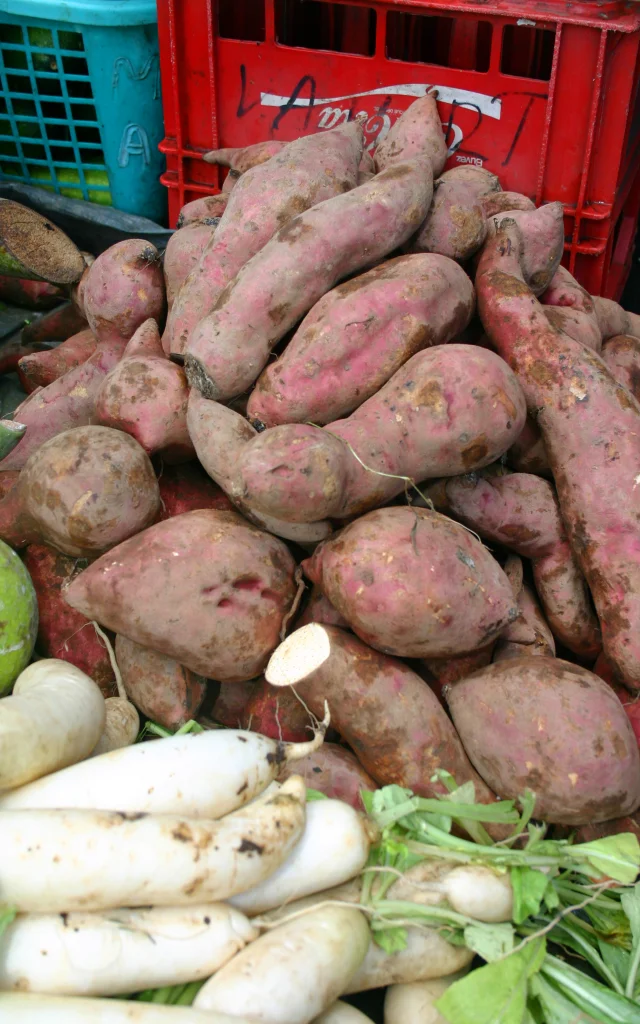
545, 95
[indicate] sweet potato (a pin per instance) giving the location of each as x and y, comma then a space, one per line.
230, 347
591, 430
16, 526
366, 167
319, 609
501, 202
8, 480
219, 435
589, 833
528, 636
334, 771
304, 173
66, 403
146, 395
84, 491
521, 512
613, 319
205, 588
630, 703
63, 632
35, 295
39, 369
456, 225
555, 728
243, 159
202, 210
276, 712
417, 133
228, 708
183, 252
413, 583
11, 352
358, 335
124, 287
166, 692
449, 409
622, 355
384, 711
57, 325
441, 672
528, 454
571, 309
543, 242
185, 488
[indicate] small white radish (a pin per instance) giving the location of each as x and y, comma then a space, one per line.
206, 775
343, 1013
479, 892
334, 848
54, 718
119, 951
122, 725
292, 973
426, 955
55, 861
34, 1009
414, 1003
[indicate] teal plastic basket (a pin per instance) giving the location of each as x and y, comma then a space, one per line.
80, 103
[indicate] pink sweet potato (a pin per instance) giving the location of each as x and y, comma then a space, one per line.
520, 511
334, 771
38, 369
543, 242
124, 287
276, 712
449, 409
219, 435
319, 609
622, 355
12, 352
57, 325
244, 159
183, 252
416, 134
358, 335
631, 704
146, 395
30, 294
185, 488
589, 833
66, 403
591, 429
528, 636
413, 583
202, 210
572, 310
456, 225
613, 319
441, 672
205, 588
554, 728
83, 492
166, 692
528, 454
384, 711
230, 703
501, 202
304, 173
63, 632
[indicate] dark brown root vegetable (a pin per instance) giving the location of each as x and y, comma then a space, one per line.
166, 692
34, 248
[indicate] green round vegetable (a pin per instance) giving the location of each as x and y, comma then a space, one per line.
18, 617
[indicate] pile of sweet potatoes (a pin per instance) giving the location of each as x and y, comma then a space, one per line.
358, 439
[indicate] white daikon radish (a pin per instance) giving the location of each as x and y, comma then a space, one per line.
119, 951
54, 861
203, 775
342, 1013
292, 973
54, 718
334, 848
415, 1003
427, 955
479, 892
121, 727
33, 1009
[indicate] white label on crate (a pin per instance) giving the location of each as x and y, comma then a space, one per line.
487, 105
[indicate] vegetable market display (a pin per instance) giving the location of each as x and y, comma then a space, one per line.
320, 607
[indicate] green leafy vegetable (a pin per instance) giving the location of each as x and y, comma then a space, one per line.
529, 888
495, 994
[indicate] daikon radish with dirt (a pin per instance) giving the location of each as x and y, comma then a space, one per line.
334, 848
293, 972
119, 951
18, 1008
427, 955
54, 718
65, 860
203, 775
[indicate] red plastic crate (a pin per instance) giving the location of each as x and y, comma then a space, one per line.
544, 94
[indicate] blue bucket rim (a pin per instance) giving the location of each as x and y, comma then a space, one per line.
96, 13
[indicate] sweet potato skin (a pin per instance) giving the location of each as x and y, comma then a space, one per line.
35, 295
591, 430
186, 488
502, 202
400, 577
417, 133
41, 368
63, 632
528, 454
552, 727
319, 609
530, 635
334, 771
358, 335
88, 489
166, 692
449, 409
230, 703
243, 159
183, 252
205, 588
57, 325
456, 225
543, 238
570, 308
202, 210
622, 355
304, 173
124, 287
613, 319
275, 711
